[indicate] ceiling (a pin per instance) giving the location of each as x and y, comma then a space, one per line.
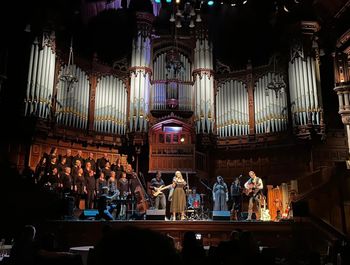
250, 31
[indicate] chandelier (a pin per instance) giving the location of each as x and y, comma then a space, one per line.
278, 86
186, 13
68, 75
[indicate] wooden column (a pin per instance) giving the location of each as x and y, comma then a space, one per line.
250, 88
93, 83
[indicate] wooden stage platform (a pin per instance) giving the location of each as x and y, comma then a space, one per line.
269, 233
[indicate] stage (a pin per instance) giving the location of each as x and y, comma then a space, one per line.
269, 233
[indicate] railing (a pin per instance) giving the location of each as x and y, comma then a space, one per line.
167, 157
309, 183
173, 150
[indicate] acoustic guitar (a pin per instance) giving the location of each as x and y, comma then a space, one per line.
252, 190
265, 213
159, 190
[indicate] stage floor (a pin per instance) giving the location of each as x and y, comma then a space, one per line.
88, 232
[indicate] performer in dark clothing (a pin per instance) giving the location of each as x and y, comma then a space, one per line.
69, 158
90, 183
118, 168
80, 158
79, 187
54, 181
100, 182
92, 162
101, 162
160, 199
236, 197
67, 181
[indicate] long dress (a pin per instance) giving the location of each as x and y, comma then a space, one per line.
219, 193
178, 202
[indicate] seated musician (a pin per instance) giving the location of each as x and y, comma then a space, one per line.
253, 187
104, 205
160, 199
194, 199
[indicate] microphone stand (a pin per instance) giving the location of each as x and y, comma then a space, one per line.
211, 193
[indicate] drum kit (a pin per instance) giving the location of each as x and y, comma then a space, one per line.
197, 212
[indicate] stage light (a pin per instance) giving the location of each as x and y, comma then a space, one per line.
177, 1
244, 2
182, 139
157, 1
210, 3
168, 1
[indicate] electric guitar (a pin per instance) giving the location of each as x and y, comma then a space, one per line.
159, 190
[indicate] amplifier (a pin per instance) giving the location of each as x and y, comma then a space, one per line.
221, 215
155, 214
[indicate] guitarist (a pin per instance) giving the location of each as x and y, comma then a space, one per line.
253, 187
160, 199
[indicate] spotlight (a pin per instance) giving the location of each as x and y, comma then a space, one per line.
222, 2
182, 139
210, 3
285, 8
157, 1
177, 1
245, 1
168, 1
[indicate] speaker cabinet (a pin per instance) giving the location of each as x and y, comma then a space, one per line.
221, 215
155, 214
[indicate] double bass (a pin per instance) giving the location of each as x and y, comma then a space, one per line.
141, 197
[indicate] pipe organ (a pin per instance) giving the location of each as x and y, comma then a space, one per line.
173, 79
41, 77
167, 85
110, 106
270, 111
203, 85
140, 75
232, 109
304, 79
73, 101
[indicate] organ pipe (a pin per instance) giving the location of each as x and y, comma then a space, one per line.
204, 85
270, 111
232, 109
72, 107
40, 77
140, 77
184, 86
110, 111
304, 78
